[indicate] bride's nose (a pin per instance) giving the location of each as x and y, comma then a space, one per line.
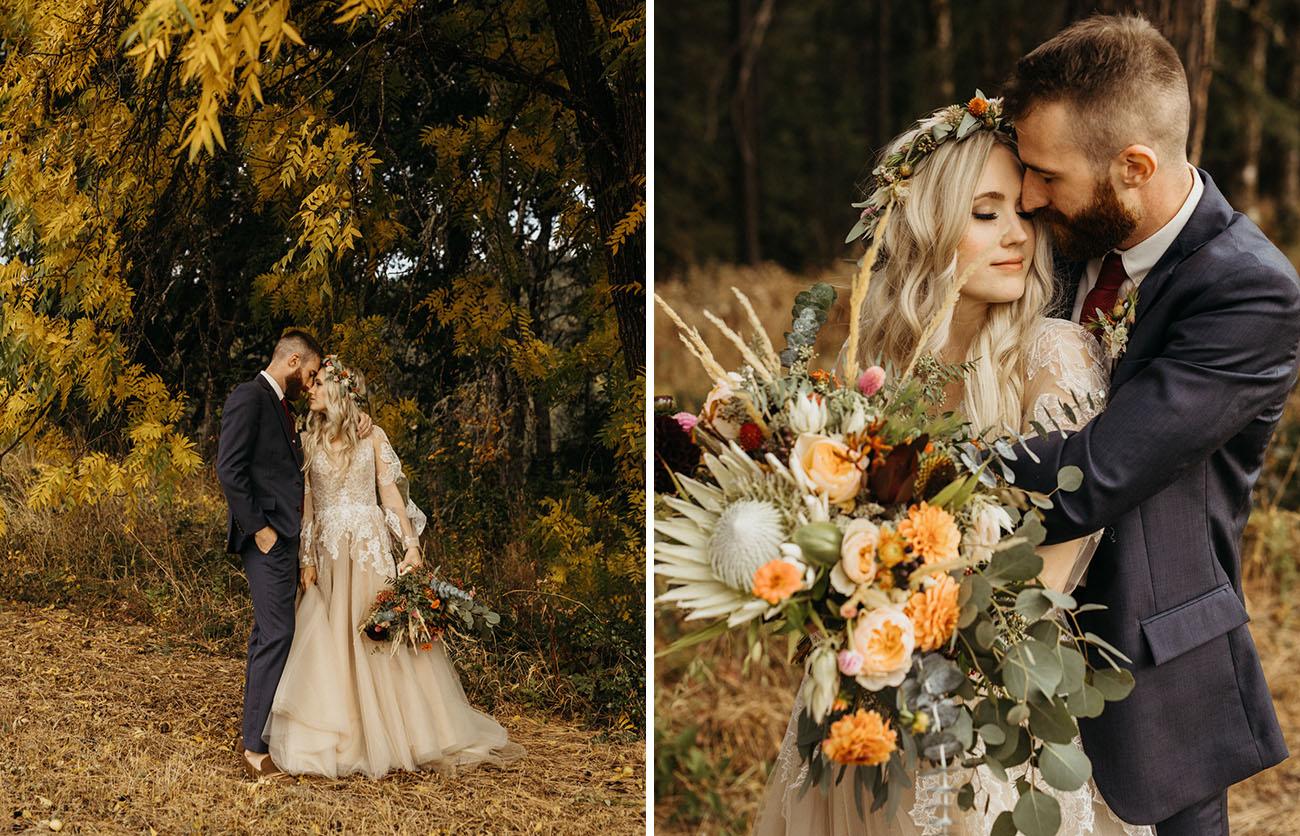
1016, 232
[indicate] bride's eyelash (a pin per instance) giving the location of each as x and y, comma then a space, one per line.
985, 216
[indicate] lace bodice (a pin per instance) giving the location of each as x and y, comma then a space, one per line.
1064, 363
364, 500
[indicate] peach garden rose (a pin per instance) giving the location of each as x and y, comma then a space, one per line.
828, 467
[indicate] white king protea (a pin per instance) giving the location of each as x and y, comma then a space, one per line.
709, 554
748, 534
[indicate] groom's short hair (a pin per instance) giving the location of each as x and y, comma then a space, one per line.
1121, 76
296, 341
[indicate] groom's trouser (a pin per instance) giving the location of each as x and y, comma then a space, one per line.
273, 583
1208, 818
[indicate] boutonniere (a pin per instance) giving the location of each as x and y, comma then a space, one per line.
1115, 325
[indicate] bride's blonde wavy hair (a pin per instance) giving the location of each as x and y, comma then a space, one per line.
917, 268
339, 420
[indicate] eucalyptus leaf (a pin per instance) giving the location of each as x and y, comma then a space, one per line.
1069, 478
1017, 714
1018, 564
1064, 766
1073, 668
1003, 825
992, 734
1086, 702
966, 796
1040, 501
1037, 814
1114, 685
1032, 603
1097, 640
1051, 720
1060, 599
1031, 528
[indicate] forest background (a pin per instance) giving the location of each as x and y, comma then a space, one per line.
450, 195
768, 115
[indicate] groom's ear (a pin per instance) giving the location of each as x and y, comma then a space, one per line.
1134, 166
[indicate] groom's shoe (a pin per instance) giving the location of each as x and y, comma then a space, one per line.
262, 768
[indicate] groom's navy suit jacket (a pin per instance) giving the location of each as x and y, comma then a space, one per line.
259, 465
1169, 467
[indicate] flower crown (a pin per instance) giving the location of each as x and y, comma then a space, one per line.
335, 372
890, 179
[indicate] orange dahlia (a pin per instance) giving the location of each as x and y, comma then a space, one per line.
978, 107
932, 532
862, 738
777, 580
934, 612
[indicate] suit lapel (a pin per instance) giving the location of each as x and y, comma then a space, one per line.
289, 435
1212, 215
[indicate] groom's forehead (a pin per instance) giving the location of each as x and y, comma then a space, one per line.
1043, 137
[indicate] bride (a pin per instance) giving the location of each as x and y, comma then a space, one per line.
345, 704
960, 219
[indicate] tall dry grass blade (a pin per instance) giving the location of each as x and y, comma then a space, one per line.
691, 337
769, 351
858, 294
746, 353
954, 296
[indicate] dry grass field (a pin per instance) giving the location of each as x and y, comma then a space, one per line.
718, 728
111, 727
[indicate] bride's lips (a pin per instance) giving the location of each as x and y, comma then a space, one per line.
1010, 264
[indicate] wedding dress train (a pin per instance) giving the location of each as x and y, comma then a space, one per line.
347, 704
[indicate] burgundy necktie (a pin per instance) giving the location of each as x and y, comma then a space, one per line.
1106, 291
287, 414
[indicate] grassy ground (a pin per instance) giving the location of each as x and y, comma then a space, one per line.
112, 727
718, 728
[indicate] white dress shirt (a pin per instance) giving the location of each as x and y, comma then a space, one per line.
279, 393
1141, 257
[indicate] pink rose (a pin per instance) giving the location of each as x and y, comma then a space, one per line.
850, 662
870, 381
686, 421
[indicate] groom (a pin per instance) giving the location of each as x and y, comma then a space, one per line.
259, 465
1101, 114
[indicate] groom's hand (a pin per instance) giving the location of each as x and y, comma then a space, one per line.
266, 538
364, 426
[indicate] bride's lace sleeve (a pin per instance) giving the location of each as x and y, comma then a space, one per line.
1064, 365
307, 542
1067, 378
405, 520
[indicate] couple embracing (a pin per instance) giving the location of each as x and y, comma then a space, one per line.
314, 517
1175, 324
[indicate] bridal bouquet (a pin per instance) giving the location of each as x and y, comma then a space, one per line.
420, 607
893, 546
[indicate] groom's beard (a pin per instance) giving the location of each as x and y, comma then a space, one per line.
1099, 228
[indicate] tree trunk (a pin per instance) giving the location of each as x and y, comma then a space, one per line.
1289, 211
942, 11
751, 28
1252, 119
883, 107
1190, 26
611, 128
